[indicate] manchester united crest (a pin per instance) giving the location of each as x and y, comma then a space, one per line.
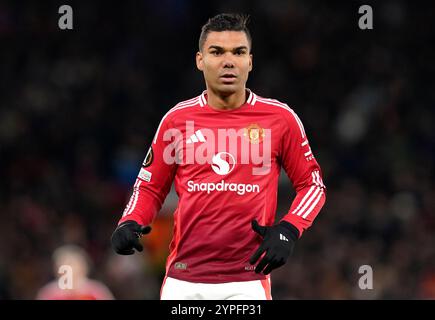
254, 133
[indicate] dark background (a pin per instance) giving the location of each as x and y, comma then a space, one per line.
78, 109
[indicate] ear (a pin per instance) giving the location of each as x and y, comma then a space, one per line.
250, 62
199, 61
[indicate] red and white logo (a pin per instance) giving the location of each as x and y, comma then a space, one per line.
223, 163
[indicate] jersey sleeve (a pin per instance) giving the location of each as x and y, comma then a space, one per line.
154, 180
303, 170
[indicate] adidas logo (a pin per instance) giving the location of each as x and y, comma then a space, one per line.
283, 238
196, 137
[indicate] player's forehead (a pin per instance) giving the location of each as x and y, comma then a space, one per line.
226, 39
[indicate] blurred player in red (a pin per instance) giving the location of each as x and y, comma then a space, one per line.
73, 259
224, 150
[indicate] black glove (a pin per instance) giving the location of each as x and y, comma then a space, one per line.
278, 243
126, 237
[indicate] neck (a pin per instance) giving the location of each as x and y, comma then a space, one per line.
223, 101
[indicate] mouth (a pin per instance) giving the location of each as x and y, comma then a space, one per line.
228, 77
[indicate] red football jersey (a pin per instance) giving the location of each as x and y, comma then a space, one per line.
87, 290
225, 165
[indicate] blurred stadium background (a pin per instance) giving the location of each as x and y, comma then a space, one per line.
79, 108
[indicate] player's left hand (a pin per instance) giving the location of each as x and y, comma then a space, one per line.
278, 243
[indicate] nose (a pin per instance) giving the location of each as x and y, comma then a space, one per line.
228, 61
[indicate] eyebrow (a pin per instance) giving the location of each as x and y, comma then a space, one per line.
221, 48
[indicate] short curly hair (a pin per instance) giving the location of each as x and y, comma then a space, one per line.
225, 22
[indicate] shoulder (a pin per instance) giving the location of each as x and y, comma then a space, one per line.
286, 113
48, 292
181, 108
185, 106
274, 105
99, 290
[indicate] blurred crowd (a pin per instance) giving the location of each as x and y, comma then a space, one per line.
78, 109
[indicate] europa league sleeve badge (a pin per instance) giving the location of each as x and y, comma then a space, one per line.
149, 158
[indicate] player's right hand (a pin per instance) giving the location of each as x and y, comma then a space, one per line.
126, 237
